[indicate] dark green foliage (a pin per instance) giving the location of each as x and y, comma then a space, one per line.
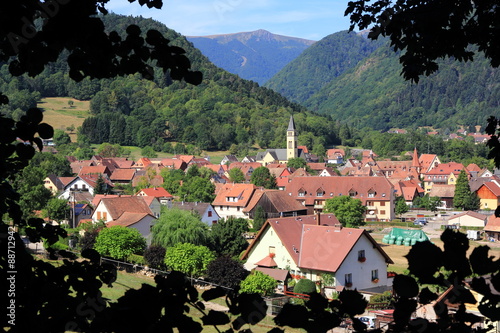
226, 237
448, 32
236, 175
259, 218
401, 206
262, 177
305, 286
226, 272
88, 239
177, 226
119, 242
348, 211
464, 198
296, 163
155, 256
320, 64
61, 138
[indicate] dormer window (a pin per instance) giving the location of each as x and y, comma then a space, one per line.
302, 192
320, 192
371, 194
352, 193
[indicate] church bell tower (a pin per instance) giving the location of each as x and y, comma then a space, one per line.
291, 138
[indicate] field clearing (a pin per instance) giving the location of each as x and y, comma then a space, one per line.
60, 115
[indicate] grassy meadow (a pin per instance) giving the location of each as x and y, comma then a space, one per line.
60, 113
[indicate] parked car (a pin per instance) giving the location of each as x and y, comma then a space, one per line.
369, 321
420, 221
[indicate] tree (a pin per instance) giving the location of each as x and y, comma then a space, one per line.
33, 195
305, 286
348, 211
179, 226
226, 272
236, 175
462, 190
57, 209
296, 163
258, 283
155, 256
401, 206
433, 203
226, 237
262, 177
259, 218
119, 242
100, 185
427, 31
189, 259
148, 151
61, 138
197, 189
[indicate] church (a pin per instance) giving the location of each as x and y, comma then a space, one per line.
283, 155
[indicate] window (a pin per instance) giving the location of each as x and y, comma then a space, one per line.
302, 193
209, 213
348, 279
272, 250
382, 212
290, 144
375, 275
382, 203
371, 195
361, 255
352, 193
104, 215
98, 215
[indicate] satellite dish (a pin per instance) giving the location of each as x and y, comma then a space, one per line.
371, 212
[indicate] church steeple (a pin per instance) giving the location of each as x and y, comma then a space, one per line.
415, 162
291, 139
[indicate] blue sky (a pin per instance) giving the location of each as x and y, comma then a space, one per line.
313, 19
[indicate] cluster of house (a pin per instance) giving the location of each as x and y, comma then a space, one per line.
298, 239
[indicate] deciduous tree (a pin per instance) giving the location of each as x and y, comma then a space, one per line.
179, 226
226, 272
262, 177
189, 259
258, 283
226, 237
236, 175
119, 242
348, 211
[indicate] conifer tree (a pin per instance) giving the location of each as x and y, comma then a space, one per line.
462, 190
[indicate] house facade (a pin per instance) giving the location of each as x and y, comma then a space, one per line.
314, 245
232, 199
468, 219
376, 193
489, 195
205, 211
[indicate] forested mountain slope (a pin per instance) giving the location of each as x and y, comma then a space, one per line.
374, 95
320, 64
255, 55
222, 111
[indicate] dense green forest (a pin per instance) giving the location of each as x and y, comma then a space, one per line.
256, 55
320, 64
222, 111
374, 94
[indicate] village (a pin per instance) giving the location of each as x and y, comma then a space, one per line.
301, 238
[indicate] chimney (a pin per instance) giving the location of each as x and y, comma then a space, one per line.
318, 218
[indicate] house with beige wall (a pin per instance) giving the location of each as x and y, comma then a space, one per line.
313, 245
376, 193
468, 219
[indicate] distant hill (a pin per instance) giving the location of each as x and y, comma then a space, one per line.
374, 95
224, 111
255, 55
320, 64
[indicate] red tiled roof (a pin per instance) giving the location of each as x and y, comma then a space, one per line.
122, 174
275, 273
98, 197
267, 262
473, 167
279, 199
91, 170
243, 191
333, 153
174, 163
289, 231
381, 188
493, 224
493, 187
66, 180
325, 248
470, 213
157, 192
128, 219
117, 206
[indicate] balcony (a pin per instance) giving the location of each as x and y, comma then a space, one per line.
371, 207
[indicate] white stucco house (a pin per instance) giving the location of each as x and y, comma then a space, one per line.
132, 212
310, 246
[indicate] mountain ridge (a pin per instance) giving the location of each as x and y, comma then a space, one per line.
255, 55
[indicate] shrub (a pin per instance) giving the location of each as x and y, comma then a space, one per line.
155, 256
305, 286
